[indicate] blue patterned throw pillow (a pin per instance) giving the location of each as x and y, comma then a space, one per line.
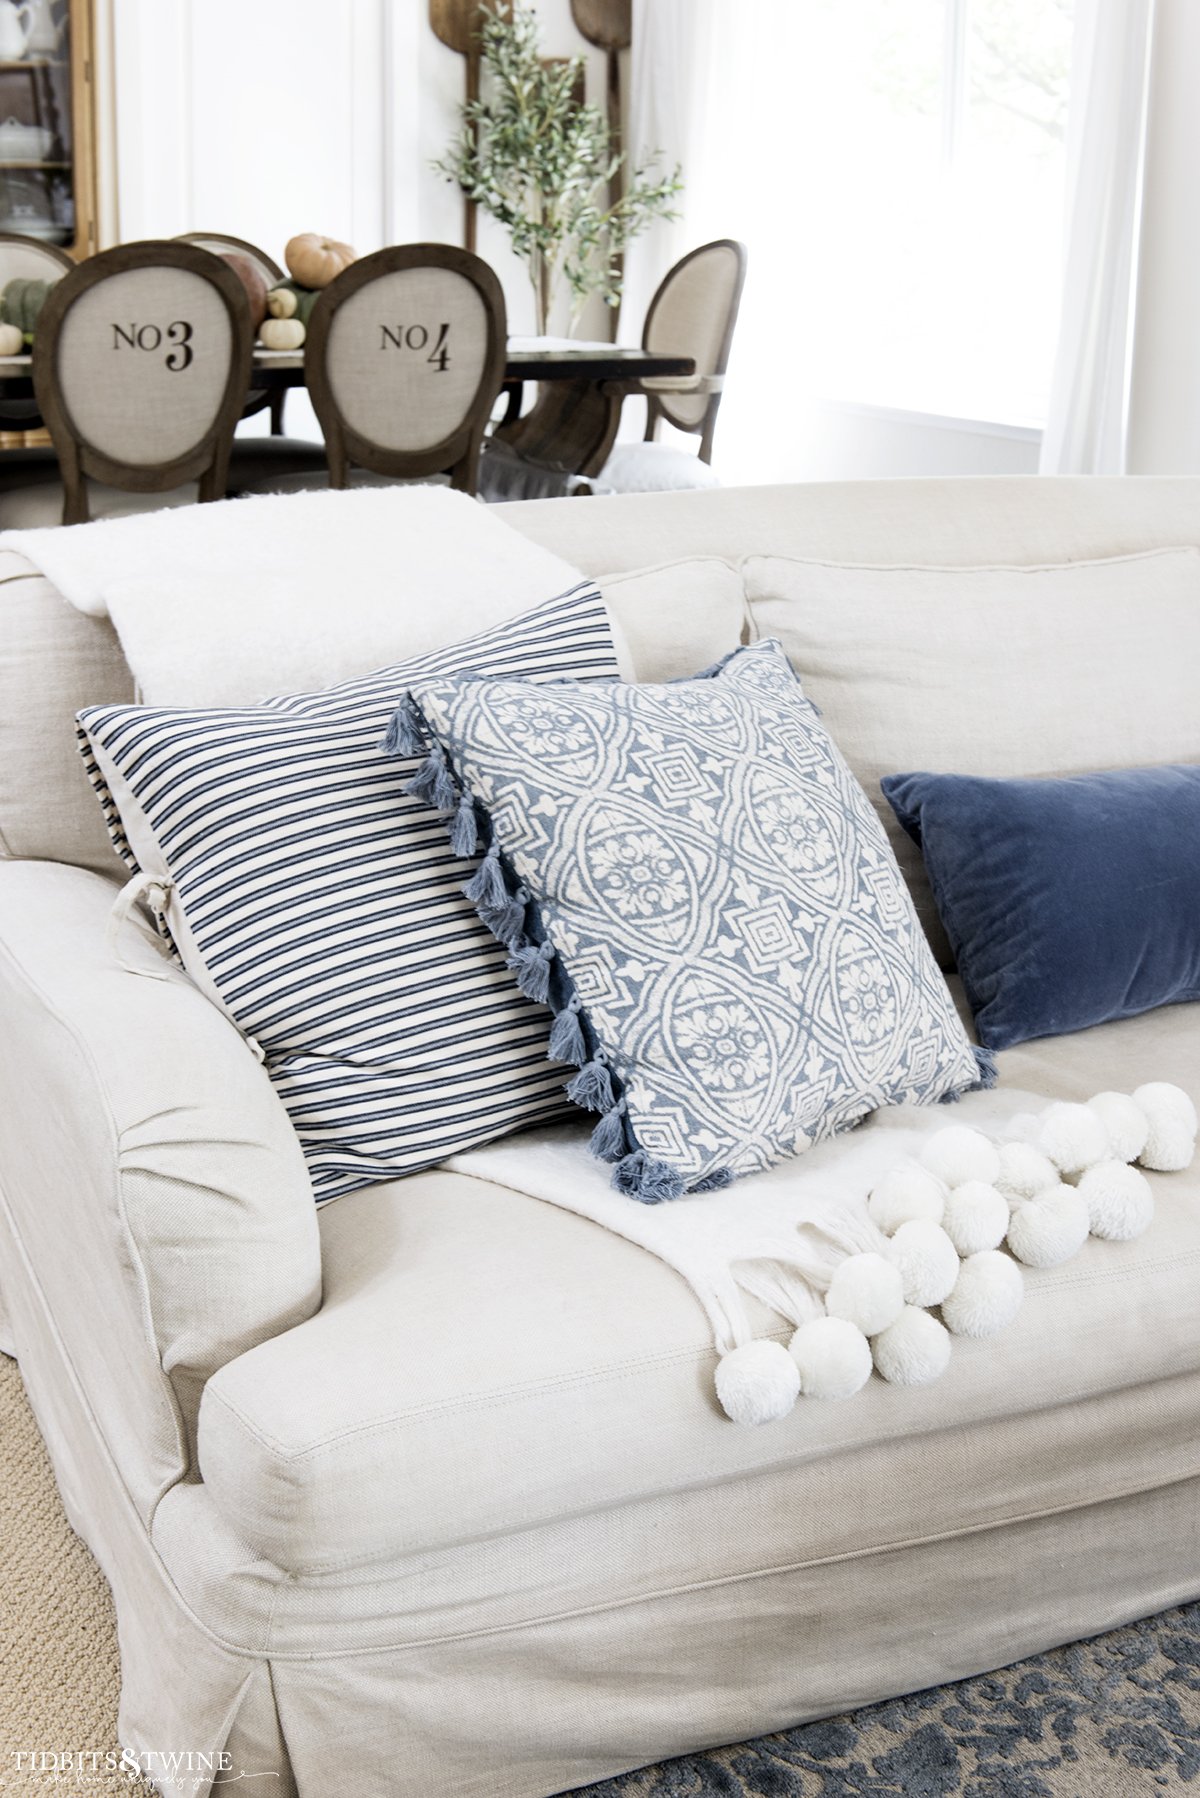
694, 882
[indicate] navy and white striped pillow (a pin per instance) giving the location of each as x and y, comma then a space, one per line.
319, 904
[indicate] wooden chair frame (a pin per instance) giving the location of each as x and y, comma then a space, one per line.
208, 461
658, 405
456, 455
258, 400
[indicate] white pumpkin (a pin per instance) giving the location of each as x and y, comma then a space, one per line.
11, 341
281, 334
315, 261
282, 302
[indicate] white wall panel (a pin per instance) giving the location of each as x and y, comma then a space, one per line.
269, 117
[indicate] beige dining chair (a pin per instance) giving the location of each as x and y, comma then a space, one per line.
693, 313
404, 360
141, 361
26, 259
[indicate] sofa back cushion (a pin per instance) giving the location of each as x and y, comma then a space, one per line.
1005, 672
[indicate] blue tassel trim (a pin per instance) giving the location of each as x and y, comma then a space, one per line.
507, 910
591, 1087
639, 1176
486, 886
608, 1138
507, 920
434, 783
530, 962
989, 1074
464, 831
566, 1036
406, 734
714, 1182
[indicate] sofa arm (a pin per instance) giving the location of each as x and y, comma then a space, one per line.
151, 1176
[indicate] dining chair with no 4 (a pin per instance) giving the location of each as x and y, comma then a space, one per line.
404, 360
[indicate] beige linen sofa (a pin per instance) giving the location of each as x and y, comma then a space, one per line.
429, 1493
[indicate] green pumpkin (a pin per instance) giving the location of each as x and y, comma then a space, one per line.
306, 299
21, 302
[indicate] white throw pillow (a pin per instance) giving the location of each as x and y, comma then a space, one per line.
1007, 672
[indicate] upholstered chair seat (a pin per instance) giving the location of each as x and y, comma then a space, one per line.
653, 468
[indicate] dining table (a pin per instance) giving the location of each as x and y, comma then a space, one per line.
570, 426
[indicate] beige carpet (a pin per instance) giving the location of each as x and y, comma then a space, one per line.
58, 1640
1114, 1718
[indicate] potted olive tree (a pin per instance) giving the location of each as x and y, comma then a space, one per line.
537, 158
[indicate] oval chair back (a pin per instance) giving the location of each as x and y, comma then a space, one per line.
404, 359
27, 259
140, 365
693, 313
221, 244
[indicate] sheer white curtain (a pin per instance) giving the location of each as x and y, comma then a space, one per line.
700, 69
1089, 398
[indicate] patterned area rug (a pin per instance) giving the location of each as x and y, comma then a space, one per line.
1115, 1718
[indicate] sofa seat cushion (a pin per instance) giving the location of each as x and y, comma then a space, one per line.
484, 1363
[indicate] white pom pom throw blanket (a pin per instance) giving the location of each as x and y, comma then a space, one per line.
783, 1234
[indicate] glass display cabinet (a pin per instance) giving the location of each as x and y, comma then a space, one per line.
47, 134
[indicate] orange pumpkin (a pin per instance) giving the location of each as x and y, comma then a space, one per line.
315, 261
252, 281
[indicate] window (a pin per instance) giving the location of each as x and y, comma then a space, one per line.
897, 168
970, 247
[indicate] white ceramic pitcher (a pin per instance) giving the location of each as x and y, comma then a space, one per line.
15, 26
44, 34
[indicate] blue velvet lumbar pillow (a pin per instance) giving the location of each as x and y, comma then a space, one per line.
1067, 902
692, 880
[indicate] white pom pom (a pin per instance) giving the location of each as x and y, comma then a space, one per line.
1119, 1201
987, 1295
833, 1357
866, 1291
1073, 1137
904, 1194
914, 1351
1171, 1117
1046, 1231
1024, 1172
957, 1154
1160, 1096
976, 1217
1125, 1124
927, 1259
757, 1383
